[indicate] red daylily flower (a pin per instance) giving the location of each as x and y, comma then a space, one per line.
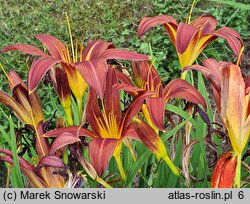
231, 94
109, 125
232, 98
42, 175
28, 109
191, 39
147, 79
91, 63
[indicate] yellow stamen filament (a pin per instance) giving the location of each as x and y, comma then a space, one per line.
201, 26
90, 52
149, 71
81, 51
63, 55
108, 126
76, 51
157, 89
240, 54
70, 35
68, 59
26, 63
190, 12
5, 73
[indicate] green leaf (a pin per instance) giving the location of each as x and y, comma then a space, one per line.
185, 115
174, 130
136, 166
233, 4
16, 168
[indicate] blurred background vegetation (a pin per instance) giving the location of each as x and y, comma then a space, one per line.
115, 21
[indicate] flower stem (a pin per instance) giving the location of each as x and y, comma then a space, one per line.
79, 107
104, 183
237, 179
190, 12
69, 118
120, 167
171, 165
117, 156
183, 75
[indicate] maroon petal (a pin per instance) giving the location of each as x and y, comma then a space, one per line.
23, 163
181, 88
62, 88
18, 109
93, 112
232, 37
100, 152
122, 77
124, 55
185, 34
29, 49
206, 23
94, 73
247, 82
112, 98
62, 141
38, 69
42, 147
128, 88
29, 171
56, 48
74, 130
149, 137
156, 107
140, 72
210, 70
15, 80
134, 108
131, 133
150, 22
144, 72
95, 49
50, 161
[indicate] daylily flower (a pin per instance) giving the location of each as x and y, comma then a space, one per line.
59, 54
110, 126
147, 79
232, 99
191, 38
28, 109
91, 64
42, 175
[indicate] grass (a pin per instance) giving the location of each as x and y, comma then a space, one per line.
117, 21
